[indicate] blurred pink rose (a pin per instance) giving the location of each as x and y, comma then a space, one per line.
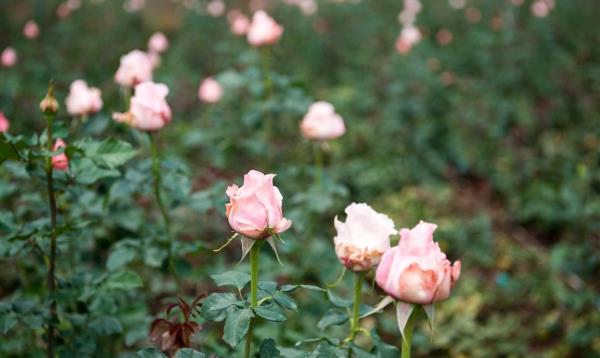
210, 91
363, 238
238, 22
158, 43
409, 36
215, 8
541, 8
8, 57
322, 123
31, 30
149, 109
135, 67
263, 30
83, 100
4, 123
255, 209
417, 271
60, 161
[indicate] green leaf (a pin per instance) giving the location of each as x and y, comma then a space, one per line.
232, 278
123, 280
332, 317
150, 353
270, 313
288, 288
337, 300
9, 148
106, 325
7, 322
382, 349
120, 257
109, 153
189, 353
236, 325
268, 349
86, 172
215, 305
285, 301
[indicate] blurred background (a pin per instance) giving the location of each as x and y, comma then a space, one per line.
488, 125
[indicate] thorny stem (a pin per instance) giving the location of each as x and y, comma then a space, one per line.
51, 280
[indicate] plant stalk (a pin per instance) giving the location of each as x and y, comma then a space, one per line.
254, 257
51, 280
408, 332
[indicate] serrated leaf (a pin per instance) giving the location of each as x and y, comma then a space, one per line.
270, 313
285, 301
268, 349
232, 278
332, 317
337, 300
189, 353
289, 288
123, 280
236, 325
120, 257
215, 305
106, 325
150, 353
109, 153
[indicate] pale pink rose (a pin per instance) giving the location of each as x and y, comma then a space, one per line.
63, 10
135, 67
73, 4
409, 36
215, 8
4, 123
238, 22
540, 8
322, 123
149, 110
255, 209
134, 5
210, 91
31, 30
83, 100
417, 271
158, 43
263, 30
60, 161
363, 238
8, 57
154, 59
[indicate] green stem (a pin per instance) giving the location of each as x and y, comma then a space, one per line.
254, 256
318, 165
156, 175
358, 281
267, 86
51, 281
408, 332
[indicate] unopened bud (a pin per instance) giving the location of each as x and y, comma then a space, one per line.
49, 104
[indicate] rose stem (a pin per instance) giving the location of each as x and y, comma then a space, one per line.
52, 263
254, 255
408, 332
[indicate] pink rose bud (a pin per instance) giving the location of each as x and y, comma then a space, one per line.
409, 36
417, 271
136, 67
210, 91
4, 123
363, 238
238, 22
322, 123
60, 161
8, 57
541, 8
158, 43
255, 209
31, 30
263, 30
149, 110
83, 100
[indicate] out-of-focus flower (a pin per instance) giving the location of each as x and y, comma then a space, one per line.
444, 37
263, 30
417, 271
308, 7
60, 161
31, 30
83, 100
210, 91
473, 14
215, 8
457, 4
409, 36
8, 57
321, 122
135, 67
149, 110
255, 209
134, 5
363, 238
158, 43
238, 22
541, 8
4, 123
